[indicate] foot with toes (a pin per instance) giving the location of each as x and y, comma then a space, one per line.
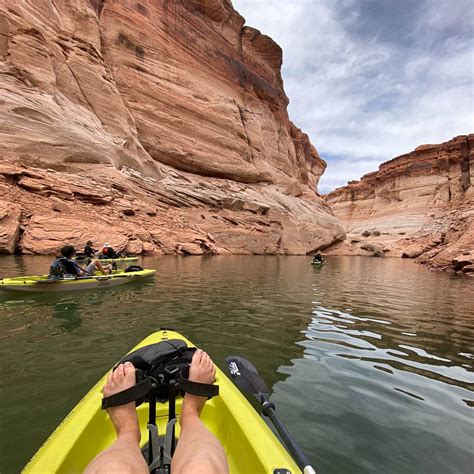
124, 417
201, 370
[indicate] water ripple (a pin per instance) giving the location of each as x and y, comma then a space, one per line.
370, 361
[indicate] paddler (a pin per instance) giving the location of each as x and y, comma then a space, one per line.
64, 264
318, 258
108, 252
88, 250
197, 451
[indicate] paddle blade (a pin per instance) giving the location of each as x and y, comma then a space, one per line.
246, 377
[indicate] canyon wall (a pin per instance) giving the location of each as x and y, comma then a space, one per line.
418, 205
157, 125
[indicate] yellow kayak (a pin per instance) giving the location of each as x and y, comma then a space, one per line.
250, 446
41, 283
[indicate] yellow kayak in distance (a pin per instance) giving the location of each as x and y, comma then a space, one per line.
42, 284
250, 445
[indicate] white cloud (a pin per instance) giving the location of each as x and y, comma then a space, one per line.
368, 85
336, 174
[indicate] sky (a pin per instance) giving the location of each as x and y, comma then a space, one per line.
369, 80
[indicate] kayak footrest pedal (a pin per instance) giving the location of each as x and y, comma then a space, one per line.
155, 446
161, 448
167, 452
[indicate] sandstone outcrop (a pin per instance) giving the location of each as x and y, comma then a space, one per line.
152, 125
177, 214
10, 214
419, 205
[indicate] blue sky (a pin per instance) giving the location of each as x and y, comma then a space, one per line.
372, 79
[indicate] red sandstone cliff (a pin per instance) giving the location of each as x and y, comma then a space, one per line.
418, 205
158, 125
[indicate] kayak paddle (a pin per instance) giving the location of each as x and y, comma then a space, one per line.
245, 375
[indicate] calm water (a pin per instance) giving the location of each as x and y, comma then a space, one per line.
370, 361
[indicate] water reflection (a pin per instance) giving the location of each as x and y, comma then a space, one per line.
370, 360
69, 313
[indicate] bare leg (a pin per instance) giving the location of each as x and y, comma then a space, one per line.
198, 450
101, 268
124, 455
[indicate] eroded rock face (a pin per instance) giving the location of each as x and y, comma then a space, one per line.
153, 115
418, 205
10, 214
180, 213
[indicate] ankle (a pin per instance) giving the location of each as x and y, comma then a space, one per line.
131, 432
193, 402
191, 409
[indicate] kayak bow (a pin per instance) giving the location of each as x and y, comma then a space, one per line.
250, 445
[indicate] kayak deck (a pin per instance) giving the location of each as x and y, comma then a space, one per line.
249, 444
41, 283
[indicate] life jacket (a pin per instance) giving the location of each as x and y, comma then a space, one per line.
109, 252
88, 251
60, 267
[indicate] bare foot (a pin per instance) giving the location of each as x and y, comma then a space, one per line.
124, 417
201, 370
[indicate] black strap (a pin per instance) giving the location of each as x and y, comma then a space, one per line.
142, 388
198, 389
128, 395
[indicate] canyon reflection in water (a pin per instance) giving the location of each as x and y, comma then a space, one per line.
369, 361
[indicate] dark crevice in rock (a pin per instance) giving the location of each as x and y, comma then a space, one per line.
242, 119
124, 40
465, 167
97, 5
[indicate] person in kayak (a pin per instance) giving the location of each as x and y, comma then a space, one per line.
64, 264
198, 451
88, 250
318, 258
108, 252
